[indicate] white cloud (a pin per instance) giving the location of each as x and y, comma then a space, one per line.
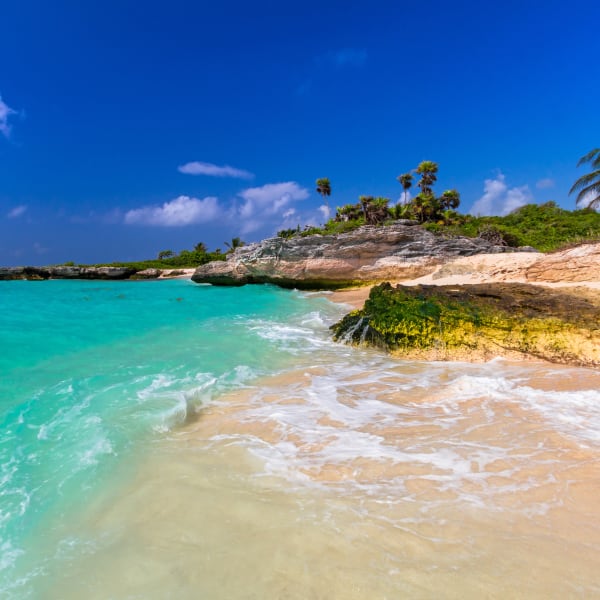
268, 204
405, 198
499, 199
202, 168
17, 211
5, 112
586, 199
545, 184
177, 213
325, 211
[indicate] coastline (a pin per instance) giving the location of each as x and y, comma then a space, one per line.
483, 268
335, 472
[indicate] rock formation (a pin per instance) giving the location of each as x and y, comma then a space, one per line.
581, 263
366, 255
65, 272
479, 322
72, 272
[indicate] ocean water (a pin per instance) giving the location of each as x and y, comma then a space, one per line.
170, 440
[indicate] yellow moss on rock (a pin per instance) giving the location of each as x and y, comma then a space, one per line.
478, 322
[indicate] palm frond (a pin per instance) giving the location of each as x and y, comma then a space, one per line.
585, 180
589, 157
592, 190
595, 203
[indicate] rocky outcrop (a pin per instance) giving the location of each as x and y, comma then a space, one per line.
481, 321
73, 272
581, 263
65, 272
366, 255
148, 274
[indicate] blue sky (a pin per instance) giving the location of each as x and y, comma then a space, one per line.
127, 127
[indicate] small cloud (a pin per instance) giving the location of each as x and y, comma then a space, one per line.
405, 198
347, 57
499, 199
268, 203
587, 199
17, 211
545, 184
179, 212
5, 112
325, 211
39, 249
202, 168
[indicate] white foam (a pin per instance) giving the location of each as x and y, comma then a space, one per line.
100, 446
337, 419
576, 414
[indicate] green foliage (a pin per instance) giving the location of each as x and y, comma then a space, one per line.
286, 234
236, 242
349, 212
186, 259
425, 207
324, 187
546, 227
405, 180
428, 172
375, 210
332, 226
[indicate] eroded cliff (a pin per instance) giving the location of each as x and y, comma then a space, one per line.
367, 255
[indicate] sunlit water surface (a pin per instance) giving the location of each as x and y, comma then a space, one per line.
168, 440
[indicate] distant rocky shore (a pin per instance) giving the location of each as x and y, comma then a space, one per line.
74, 272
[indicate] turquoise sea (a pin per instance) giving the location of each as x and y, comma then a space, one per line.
169, 440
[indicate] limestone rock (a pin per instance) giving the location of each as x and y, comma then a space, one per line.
66, 272
581, 263
148, 274
366, 255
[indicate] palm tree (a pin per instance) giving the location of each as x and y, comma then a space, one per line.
589, 185
324, 188
375, 210
427, 170
165, 254
236, 242
348, 212
449, 199
406, 182
201, 248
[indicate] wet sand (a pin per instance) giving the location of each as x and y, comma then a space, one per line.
375, 479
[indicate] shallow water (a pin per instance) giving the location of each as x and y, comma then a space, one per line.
282, 465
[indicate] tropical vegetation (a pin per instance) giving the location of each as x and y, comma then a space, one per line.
324, 188
167, 259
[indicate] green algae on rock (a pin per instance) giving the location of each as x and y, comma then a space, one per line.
478, 322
